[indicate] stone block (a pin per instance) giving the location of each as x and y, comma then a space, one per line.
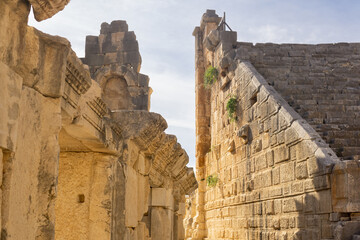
130, 36
345, 186
169, 199
274, 123
142, 165
260, 162
162, 230
269, 207
301, 170
297, 187
263, 179
281, 154
346, 230
143, 196
319, 164
273, 104
131, 198
287, 172
227, 40
265, 139
117, 37
10, 93
142, 231
304, 150
44, 9
263, 110
284, 223
291, 135
276, 175
256, 146
158, 197
110, 57
182, 209
94, 59
293, 204
92, 45
270, 157
280, 137
113, 27
44, 64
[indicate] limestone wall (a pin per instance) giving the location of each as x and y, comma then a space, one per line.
81, 155
320, 82
83, 202
275, 177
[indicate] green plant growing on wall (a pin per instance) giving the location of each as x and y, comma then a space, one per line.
212, 180
210, 76
231, 108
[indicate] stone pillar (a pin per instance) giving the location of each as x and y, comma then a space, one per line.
209, 22
180, 214
162, 214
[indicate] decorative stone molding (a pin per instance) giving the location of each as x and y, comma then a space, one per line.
44, 9
76, 75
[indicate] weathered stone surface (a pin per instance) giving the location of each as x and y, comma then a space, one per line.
345, 186
63, 156
84, 196
162, 229
44, 9
114, 45
13, 18
131, 198
10, 93
276, 182
158, 198
44, 63
33, 173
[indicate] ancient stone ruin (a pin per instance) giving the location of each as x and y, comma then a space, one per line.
81, 156
277, 139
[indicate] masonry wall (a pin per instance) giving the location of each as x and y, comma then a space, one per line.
76, 153
276, 178
270, 182
84, 197
321, 82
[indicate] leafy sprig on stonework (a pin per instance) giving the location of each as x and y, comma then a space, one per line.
210, 76
231, 108
212, 180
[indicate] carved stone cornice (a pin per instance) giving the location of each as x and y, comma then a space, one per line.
76, 75
142, 127
44, 9
98, 106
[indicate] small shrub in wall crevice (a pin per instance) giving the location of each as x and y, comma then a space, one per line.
231, 108
212, 180
210, 76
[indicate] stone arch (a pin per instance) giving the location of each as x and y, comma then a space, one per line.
115, 93
124, 71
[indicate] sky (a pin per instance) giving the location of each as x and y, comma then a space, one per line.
164, 32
